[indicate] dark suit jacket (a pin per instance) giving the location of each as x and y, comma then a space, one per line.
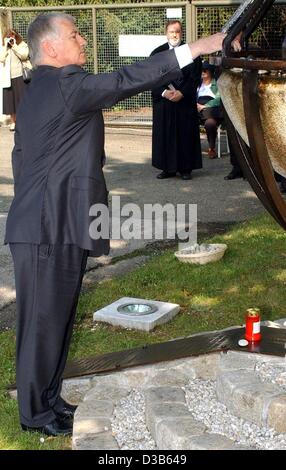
59, 146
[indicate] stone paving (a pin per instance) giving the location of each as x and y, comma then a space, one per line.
168, 420
243, 384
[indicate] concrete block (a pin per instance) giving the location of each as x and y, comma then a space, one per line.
83, 426
164, 312
164, 394
115, 379
185, 366
167, 377
138, 377
175, 433
227, 382
276, 415
102, 441
94, 409
156, 412
209, 441
205, 366
74, 390
101, 392
250, 401
236, 360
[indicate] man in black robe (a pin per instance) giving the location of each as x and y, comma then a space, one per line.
176, 137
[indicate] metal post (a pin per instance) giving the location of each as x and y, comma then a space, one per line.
192, 12
189, 23
94, 34
10, 18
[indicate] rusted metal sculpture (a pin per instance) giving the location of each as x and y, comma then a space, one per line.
253, 90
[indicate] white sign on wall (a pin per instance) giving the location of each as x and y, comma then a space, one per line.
174, 13
1, 72
1, 93
138, 45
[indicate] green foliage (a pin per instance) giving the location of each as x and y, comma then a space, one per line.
39, 3
267, 36
112, 23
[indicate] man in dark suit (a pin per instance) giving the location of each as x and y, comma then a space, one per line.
176, 145
57, 165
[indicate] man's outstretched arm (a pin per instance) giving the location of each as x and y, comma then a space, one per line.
85, 92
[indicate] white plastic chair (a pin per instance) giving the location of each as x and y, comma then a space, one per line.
219, 152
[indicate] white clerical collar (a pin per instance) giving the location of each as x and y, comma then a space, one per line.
172, 47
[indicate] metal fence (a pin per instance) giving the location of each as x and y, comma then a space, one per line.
102, 25
209, 18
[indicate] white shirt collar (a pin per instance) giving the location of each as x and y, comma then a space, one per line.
172, 47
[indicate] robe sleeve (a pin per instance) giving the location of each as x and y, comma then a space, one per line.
157, 92
192, 78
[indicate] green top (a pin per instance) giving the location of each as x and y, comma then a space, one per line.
216, 100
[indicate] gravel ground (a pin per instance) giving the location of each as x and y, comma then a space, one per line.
129, 428
128, 423
275, 375
203, 404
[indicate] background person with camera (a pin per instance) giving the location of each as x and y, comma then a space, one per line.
13, 52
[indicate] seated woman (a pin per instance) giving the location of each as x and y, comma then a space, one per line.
209, 106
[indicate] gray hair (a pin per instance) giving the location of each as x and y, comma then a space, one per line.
43, 27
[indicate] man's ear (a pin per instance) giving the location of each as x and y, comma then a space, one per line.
49, 48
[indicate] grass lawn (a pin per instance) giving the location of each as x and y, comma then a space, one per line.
252, 273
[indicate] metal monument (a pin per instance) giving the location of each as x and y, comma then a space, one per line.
253, 90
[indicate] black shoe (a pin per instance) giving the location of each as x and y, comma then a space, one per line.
233, 175
58, 427
165, 175
65, 410
186, 176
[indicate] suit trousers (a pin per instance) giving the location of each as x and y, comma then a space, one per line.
48, 281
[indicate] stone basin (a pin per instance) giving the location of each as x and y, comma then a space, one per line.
272, 103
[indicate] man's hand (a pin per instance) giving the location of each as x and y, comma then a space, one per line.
212, 44
168, 94
207, 45
236, 43
177, 96
200, 107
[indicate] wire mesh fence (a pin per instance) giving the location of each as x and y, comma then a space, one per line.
103, 25
110, 25
22, 18
268, 35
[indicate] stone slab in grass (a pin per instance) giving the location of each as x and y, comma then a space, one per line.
138, 314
